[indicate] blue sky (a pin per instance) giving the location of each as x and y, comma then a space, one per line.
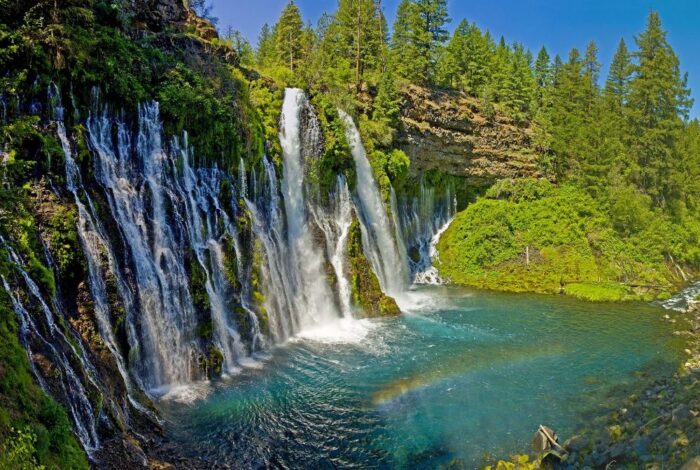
557, 24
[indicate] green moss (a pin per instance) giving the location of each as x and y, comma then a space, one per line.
205, 329
198, 290
598, 292
215, 360
257, 288
366, 291
230, 262
336, 159
25, 406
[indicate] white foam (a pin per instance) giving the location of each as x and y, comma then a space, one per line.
682, 301
413, 301
185, 394
343, 330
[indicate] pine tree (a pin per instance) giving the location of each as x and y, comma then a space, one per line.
419, 37
567, 116
265, 52
544, 77
288, 37
519, 86
359, 32
617, 83
241, 45
466, 61
591, 73
500, 69
659, 101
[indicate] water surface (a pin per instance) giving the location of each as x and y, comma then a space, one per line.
461, 376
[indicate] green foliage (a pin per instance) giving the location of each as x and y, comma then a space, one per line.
18, 451
336, 159
366, 291
288, 37
466, 62
198, 279
210, 116
659, 100
418, 39
532, 236
34, 429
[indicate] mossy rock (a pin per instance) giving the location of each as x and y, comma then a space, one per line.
366, 291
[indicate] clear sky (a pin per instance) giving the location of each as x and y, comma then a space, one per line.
557, 24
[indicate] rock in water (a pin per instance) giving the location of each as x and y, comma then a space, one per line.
540, 441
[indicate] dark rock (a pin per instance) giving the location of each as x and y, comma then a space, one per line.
641, 445
158, 15
680, 413
576, 443
617, 451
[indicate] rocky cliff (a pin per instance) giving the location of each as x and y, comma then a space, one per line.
464, 137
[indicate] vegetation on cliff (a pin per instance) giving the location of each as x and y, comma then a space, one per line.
365, 289
533, 236
623, 221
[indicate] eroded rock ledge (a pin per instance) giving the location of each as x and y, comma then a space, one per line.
456, 133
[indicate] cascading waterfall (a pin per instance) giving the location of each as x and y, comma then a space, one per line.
379, 242
315, 298
682, 301
207, 239
93, 241
297, 287
422, 220
50, 341
335, 224
149, 222
164, 210
164, 352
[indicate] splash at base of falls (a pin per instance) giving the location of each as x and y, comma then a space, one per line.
342, 330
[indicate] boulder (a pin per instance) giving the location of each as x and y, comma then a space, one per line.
576, 443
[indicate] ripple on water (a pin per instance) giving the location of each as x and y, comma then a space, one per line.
420, 389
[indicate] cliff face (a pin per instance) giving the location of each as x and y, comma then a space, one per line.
456, 133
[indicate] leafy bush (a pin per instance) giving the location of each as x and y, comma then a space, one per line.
529, 235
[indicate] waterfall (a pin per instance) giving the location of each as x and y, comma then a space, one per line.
335, 224
310, 298
209, 225
378, 236
50, 341
423, 219
166, 210
176, 263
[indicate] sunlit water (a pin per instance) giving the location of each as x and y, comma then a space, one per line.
461, 376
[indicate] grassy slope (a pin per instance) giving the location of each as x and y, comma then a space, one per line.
573, 246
